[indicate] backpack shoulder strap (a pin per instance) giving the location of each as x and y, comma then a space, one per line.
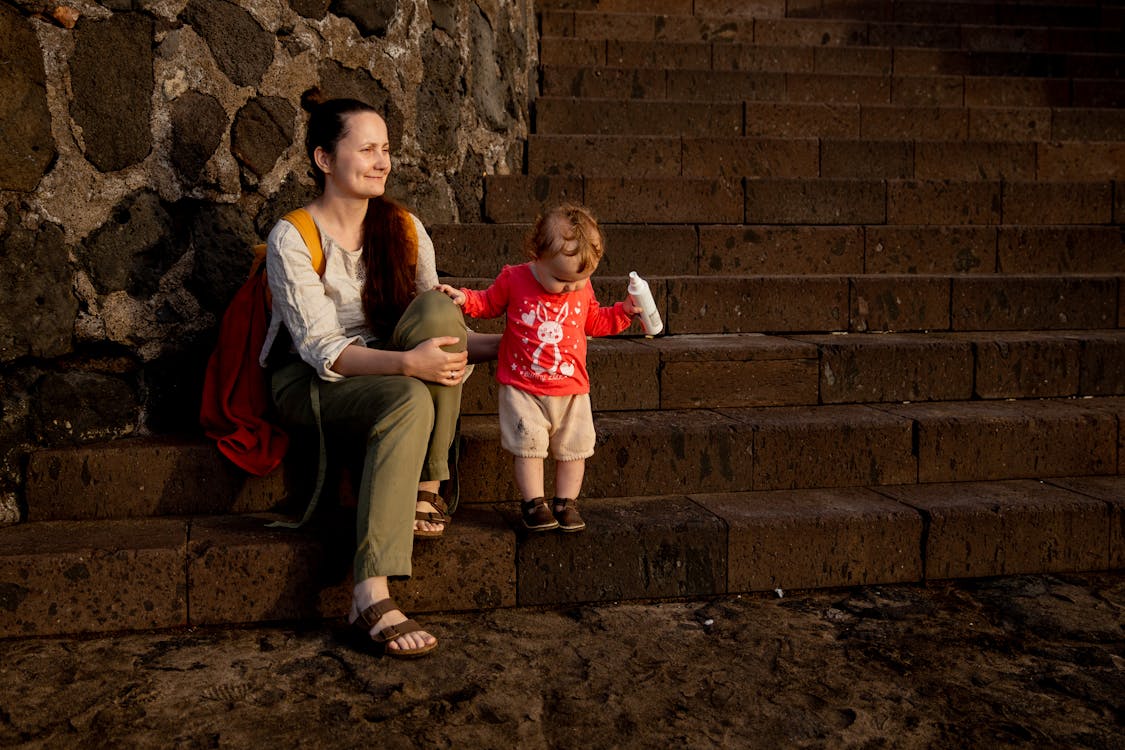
303, 220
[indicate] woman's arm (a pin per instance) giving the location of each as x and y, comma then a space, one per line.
427, 361
483, 346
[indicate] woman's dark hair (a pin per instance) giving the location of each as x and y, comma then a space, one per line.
390, 241
390, 256
328, 123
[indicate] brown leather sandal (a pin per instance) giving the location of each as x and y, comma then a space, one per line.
361, 632
566, 513
440, 516
537, 516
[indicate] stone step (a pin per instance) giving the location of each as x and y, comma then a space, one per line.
480, 250
812, 201
637, 117
821, 87
873, 303
1081, 13
746, 156
104, 576
777, 31
735, 444
857, 60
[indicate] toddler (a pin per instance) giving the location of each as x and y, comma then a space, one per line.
544, 399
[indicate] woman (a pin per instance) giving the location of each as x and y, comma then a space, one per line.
384, 356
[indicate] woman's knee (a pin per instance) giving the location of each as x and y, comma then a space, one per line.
430, 315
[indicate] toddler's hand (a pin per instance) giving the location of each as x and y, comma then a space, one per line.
631, 308
456, 295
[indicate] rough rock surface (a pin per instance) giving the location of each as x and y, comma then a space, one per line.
1033, 662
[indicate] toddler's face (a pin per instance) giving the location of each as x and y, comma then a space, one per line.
559, 273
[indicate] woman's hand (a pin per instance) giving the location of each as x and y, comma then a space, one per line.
459, 298
429, 362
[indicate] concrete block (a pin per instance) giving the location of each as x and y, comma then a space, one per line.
753, 58
141, 477
771, 250
1102, 363
914, 35
604, 156
924, 62
738, 8
241, 571
563, 116
929, 91
785, 120
632, 247
1097, 93
870, 61
519, 198
1087, 124
632, 548
929, 123
810, 32
864, 368
602, 82
994, 37
665, 201
837, 88
970, 441
1061, 249
1024, 364
757, 304
1007, 528
799, 539
899, 303
800, 447
1044, 203
943, 202
1009, 123
558, 50
799, 201
1110, 490
735, 158
974, 161
710, 29
738, 370
557, 23
1076, 161
478, 250
866, 160
1000, 303
637, 453
930, 249
725, 85
661, 55
995, 91
62, 577
639, 27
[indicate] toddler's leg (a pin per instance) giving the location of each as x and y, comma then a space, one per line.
533, 509
568, 484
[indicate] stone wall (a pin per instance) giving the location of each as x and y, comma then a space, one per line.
148, 143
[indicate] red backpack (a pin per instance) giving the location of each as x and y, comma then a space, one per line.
236, 392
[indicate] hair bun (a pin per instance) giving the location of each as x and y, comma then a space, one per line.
312, 99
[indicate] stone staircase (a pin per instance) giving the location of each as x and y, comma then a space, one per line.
887, 241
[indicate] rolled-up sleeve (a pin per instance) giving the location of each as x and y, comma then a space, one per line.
300, 303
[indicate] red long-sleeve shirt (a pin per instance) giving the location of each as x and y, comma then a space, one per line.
543, 348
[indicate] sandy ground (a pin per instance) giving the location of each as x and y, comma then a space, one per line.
1035, 662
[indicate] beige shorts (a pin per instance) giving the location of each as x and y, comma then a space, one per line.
530, 425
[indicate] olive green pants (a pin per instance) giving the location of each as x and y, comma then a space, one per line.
399, 427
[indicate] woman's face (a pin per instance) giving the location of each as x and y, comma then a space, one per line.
362, 161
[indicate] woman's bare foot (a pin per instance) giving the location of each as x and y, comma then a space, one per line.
406, 642
419, 525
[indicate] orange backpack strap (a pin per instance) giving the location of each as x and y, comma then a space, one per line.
303, 220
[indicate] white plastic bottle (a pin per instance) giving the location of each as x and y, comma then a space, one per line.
642, 297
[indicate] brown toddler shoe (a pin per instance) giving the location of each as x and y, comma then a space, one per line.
566, 513
537, 516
